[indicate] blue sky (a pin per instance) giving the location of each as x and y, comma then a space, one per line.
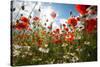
64, 9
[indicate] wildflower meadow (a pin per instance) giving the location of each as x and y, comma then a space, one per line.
52, 33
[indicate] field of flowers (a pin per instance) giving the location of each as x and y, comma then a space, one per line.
35, 40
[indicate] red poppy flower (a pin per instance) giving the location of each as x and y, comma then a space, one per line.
29, 29
47, 20
54, 31
69, 37
49, 27
57, 30
36, 18
53, 14
81, 8
24, 19
43, 32
21, 26
56, 41
66, 29
79, 47
91, 25
72, 21
39, 43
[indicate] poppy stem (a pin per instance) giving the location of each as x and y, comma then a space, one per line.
71, 14
19, 11
32, 9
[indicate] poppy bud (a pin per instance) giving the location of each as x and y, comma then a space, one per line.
64, 25
45, 24
21, 14
23, 7
30, 16
13, 9
24, 19
39, 10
